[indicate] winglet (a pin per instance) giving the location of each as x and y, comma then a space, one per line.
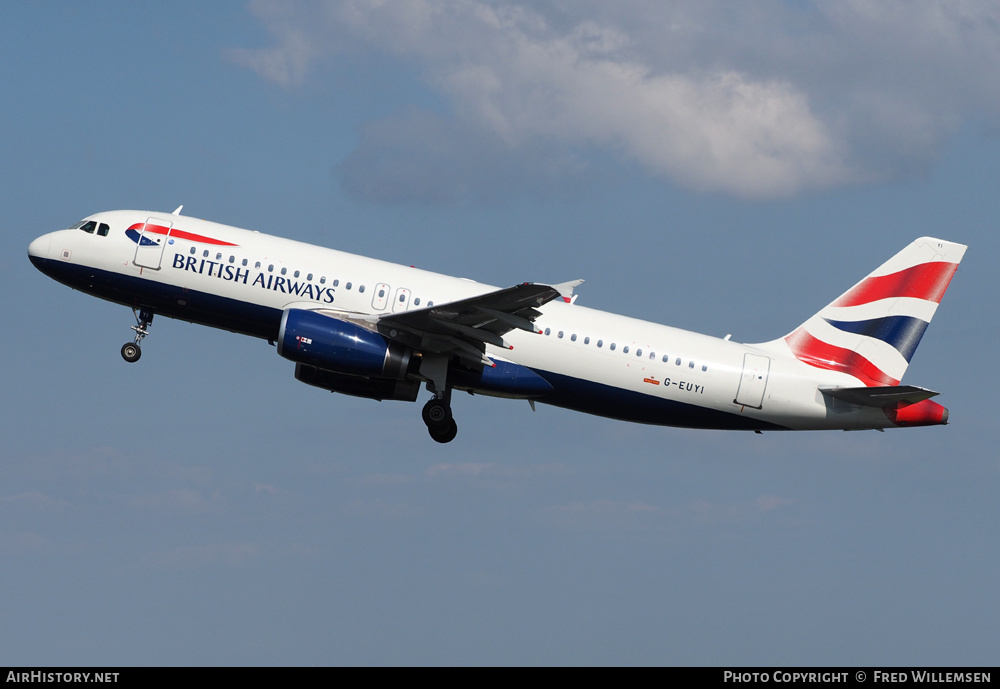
178, 211
565, 290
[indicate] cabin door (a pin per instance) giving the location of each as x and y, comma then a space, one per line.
153, 239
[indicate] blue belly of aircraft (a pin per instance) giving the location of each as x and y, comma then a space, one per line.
262, 321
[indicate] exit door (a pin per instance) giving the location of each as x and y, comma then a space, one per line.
754, 381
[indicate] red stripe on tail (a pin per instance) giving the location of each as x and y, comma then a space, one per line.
925, 281
809, 350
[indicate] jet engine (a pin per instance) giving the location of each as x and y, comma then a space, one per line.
329, 344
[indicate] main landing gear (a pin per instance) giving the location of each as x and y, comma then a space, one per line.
437, 412
437, 416
131, 350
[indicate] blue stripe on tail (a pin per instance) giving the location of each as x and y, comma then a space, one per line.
902, 332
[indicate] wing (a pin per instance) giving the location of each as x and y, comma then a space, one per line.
463, 328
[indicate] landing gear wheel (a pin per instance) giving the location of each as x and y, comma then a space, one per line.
444, 433
131, 352
436, 413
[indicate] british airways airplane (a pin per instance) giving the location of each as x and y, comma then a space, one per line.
373, 329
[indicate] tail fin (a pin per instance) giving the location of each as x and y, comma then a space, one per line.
872, 329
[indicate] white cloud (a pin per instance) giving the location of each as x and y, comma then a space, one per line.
460, 469
33, 500
607, 513
758, 100
736, 513
179, 501
202, 556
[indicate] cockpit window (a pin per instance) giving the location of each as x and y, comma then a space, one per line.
88, 226
78, 225
103, 229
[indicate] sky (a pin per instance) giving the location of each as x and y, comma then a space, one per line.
725, 168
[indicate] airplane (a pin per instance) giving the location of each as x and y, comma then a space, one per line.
376, 330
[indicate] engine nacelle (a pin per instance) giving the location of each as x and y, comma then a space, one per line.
370, 388
327, 343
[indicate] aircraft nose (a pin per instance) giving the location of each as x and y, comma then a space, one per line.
40, 247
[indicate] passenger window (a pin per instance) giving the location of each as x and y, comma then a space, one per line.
204, 253
257, 265
284, 270
296, 274
193, 250
652, 356
270, 268
218, 256
103, 230
586, 340
548, 331
691, 365
348, 285
402, 298
704, 367
573, 337
232, 259
244, 262
416, 302
625, 349
638, 352
381, 293
309, 277
361, 289
336, 283
678, 362
560, 334
612, 346
322, 280
600, 343
666, 358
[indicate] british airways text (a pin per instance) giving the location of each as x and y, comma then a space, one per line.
277, 283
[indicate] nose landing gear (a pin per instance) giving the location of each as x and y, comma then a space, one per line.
131, 350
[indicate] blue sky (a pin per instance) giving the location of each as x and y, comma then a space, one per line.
718, 168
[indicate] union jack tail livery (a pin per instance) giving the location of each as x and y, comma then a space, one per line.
871, 330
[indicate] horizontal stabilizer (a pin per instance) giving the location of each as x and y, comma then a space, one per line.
880, 396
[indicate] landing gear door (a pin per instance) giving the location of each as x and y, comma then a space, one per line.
152, 240
754, 381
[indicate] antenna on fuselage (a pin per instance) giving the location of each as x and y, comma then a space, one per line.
178, 211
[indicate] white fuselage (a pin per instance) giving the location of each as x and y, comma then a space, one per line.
597, 362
